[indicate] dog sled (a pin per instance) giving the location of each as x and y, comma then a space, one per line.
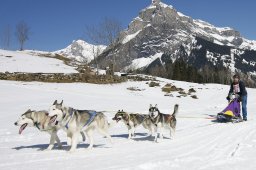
231, 113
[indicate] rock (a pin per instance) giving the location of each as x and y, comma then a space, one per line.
153, 84
169, 88
192, 90
182, 92
194, 96
135, 89
169, 95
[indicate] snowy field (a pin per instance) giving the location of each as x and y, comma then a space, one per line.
16, 61
199, 143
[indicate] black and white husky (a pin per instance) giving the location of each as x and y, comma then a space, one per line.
133, 120
161, 120
40, 120
74, 121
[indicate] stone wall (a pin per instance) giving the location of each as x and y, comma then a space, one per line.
62, 78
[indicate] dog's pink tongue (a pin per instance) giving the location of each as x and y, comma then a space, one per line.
22, 128
53, 119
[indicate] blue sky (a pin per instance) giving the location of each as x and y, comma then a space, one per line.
55, 23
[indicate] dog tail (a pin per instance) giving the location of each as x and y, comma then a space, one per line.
176, 108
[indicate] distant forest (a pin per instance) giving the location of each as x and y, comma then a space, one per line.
182, 71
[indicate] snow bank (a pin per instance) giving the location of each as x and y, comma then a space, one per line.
16, 61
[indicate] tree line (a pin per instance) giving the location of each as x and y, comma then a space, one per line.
21, 33
182, 71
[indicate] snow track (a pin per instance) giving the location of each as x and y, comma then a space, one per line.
199, 144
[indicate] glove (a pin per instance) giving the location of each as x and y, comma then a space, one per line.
228, 98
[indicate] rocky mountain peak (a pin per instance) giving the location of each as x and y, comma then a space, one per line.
156, 2
160, 29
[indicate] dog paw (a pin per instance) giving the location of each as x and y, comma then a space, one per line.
47, 149
112, 142
71, 151
89, 148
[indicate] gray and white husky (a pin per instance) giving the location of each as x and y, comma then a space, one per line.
40, 120
163, 120
133, 120
74, 121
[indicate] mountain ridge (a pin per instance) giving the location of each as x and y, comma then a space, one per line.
161, 29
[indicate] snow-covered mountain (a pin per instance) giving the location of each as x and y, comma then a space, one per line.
161, 29
49, 62
81, 51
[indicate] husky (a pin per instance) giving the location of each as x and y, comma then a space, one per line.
161, 120
133, 120
40, 120
73, 121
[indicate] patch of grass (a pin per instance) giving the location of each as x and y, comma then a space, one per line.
57, 56
153, 84
64, 59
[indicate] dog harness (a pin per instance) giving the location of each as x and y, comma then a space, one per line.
71, 111
91, 113
92, 116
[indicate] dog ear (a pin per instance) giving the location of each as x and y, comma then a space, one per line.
61, 102
150, 105
156, 106
29, 110
55, 102
122, 110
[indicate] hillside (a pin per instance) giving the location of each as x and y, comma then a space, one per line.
17, 61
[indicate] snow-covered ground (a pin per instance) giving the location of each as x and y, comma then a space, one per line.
17, 61
199, 143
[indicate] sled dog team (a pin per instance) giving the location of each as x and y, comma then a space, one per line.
84, 123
